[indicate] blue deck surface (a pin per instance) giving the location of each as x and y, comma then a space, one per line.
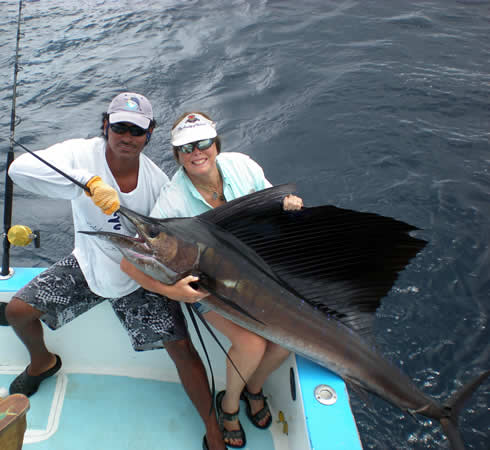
21, 276
119, 413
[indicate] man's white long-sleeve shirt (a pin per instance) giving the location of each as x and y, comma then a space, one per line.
82, 159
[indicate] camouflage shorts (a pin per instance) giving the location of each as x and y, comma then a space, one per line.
62, 294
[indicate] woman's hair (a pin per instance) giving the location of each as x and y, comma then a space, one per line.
217, 139
105, 116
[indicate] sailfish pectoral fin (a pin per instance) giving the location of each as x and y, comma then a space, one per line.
230, 303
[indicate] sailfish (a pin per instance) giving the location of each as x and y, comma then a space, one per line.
308, 280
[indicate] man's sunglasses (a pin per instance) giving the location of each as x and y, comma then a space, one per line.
200, 145
121, 128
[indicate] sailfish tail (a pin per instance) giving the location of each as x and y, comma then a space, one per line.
454, 405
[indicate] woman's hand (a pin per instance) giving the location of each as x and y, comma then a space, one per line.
292, 203
182, 291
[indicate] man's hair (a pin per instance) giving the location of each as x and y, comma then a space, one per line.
217, 139
105, 117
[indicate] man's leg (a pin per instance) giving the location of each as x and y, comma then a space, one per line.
195, 382
24, 319
58, 295
3, 318
153, 321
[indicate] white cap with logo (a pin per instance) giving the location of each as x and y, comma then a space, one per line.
192, 128
131, 107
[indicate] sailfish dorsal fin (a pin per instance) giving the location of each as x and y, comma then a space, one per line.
341, 261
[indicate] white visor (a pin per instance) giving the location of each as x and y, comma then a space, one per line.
192, 128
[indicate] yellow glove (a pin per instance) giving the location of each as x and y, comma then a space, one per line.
103, 195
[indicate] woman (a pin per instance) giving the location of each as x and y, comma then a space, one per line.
205, 180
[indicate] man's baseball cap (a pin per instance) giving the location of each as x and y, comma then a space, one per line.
131, 107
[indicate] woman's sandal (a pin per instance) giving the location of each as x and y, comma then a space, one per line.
222, 416
259, 415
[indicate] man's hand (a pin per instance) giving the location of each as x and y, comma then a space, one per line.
103, 195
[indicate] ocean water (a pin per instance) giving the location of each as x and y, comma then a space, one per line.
370, 105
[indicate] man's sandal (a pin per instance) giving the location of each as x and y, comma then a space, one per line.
259, 415
233, 434
205, 444
3, 317
29, 384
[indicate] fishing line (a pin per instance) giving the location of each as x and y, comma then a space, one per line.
192, 309
205, 323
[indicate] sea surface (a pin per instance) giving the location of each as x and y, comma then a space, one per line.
379, 106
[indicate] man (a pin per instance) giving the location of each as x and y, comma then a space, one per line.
91, 273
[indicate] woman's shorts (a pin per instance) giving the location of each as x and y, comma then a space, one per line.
202, 308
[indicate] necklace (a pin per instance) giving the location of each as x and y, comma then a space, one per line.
215, 192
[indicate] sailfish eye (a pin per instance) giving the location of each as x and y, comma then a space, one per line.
153, 231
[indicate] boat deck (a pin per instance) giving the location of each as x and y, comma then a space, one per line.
117, 412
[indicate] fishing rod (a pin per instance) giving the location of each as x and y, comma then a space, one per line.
21, 234
78, 183
7, 211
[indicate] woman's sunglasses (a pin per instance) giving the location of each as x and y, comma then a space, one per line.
200, 145
121, 128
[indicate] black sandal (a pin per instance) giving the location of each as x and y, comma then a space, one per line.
205, 444
29, 384
259, 415
3, 317
222, 416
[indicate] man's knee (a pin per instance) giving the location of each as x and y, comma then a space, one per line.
182, 350
19, 312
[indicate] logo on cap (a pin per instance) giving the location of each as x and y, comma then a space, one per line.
192, 118
133, 103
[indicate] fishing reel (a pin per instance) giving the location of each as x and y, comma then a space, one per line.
22, 235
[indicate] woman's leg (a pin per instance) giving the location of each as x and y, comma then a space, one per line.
246, 351
274, 356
